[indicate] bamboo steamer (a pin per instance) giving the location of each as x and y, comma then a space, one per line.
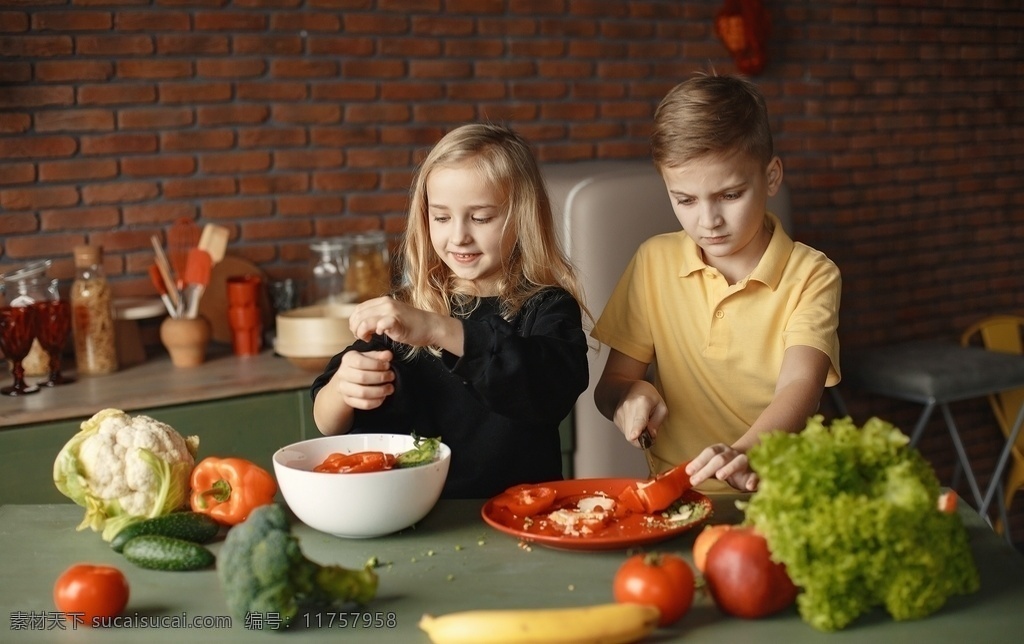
310, 336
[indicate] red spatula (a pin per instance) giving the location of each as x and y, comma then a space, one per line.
198, 266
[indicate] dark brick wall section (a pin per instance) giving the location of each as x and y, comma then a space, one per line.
901, 127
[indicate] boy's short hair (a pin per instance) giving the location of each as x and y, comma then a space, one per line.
711, 115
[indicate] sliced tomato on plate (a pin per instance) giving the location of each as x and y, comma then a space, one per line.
526, 500
656, 494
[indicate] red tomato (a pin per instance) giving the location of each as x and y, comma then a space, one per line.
664, 581
526, 500
743, 579
948, 502
707, 538
85, 591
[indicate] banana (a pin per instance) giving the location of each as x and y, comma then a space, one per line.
598, 624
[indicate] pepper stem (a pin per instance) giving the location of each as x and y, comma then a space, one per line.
220, 492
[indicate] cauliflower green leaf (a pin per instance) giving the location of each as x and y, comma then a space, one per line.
853, 514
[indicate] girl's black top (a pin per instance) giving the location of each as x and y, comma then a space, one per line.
498, 407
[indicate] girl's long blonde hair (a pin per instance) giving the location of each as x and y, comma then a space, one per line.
536, 262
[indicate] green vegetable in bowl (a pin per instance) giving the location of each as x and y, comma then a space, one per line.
424, 451
262, 570
123, 469
853, 513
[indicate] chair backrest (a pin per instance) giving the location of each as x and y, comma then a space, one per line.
604, 210
1005, 334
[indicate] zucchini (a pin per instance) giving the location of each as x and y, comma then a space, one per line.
190, 526
157, 552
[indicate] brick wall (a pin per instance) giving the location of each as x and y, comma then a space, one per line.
901, 129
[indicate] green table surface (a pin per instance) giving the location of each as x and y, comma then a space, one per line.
451, 561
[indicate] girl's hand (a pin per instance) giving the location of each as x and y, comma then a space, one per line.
398, 321
641, 407
364, 380
725, 464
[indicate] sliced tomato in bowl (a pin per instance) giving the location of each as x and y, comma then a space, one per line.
526, 500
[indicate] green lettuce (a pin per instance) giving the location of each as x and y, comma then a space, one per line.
853, 514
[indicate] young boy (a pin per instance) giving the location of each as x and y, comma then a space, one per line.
739, 320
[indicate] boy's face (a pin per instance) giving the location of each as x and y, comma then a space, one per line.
467, 224
720, 202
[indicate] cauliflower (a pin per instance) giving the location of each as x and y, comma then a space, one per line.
123, 469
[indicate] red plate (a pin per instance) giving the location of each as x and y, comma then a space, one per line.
630, 531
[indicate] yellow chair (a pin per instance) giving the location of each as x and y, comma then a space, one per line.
1003, 333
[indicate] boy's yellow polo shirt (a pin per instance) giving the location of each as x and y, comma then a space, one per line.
717, 348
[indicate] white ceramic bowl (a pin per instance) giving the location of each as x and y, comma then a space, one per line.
369, 504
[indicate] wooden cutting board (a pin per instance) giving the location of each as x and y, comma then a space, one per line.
214, 303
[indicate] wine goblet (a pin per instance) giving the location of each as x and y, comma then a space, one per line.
17, 330
53, 319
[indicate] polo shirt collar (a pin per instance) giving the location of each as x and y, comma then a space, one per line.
768, 271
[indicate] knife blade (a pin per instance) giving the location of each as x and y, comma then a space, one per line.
646, 441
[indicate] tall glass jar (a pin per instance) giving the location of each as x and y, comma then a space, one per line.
92, 314
369, 265
329, 265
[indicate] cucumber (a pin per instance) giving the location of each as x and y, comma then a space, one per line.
190, 526
157, 552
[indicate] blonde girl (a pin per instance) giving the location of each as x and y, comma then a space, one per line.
482, 343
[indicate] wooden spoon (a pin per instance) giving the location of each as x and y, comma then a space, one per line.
214, 240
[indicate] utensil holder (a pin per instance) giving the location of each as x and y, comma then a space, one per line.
186, 340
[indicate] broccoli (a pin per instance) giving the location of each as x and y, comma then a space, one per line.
262, 570
853, 514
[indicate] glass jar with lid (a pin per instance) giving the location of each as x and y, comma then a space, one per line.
92, 314
329, 266
369, 265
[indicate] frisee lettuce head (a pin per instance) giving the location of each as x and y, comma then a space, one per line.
853, 514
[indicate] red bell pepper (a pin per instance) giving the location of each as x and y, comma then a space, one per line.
228, 489
657, 494
338, 463
743, 26
527, 500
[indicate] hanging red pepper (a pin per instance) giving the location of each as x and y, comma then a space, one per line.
743, 26
228, 489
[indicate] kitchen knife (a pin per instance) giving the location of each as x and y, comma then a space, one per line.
646, 441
